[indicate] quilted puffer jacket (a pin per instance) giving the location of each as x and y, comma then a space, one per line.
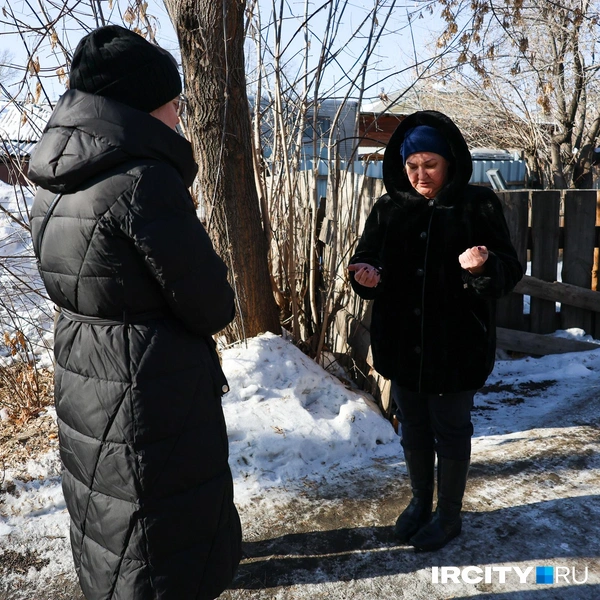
138, 383
433, 324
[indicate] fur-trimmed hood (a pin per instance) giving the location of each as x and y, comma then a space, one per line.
394, 175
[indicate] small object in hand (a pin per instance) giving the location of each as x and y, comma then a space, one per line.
365, 274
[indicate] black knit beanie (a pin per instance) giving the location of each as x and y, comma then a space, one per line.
120, 64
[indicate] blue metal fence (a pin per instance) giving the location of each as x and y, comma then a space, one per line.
513, 171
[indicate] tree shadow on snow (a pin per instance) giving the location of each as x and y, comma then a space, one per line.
542, 460
543, 533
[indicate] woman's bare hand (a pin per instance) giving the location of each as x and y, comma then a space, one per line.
473, 259
365, 274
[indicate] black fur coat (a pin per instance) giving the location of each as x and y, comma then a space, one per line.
433, 323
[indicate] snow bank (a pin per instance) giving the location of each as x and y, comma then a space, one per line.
289, 419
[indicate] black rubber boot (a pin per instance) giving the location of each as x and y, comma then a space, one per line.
446, 523
420, 467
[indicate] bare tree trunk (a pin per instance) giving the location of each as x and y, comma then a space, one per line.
559, 181
211, 37
583, 177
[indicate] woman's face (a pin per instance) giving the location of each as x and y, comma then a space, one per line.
427, 172
168, 113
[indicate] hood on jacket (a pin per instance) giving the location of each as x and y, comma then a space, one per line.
88, 134
394, 176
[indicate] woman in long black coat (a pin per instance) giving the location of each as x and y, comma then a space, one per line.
435, 255
138, 383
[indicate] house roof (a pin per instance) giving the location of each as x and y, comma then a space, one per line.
398, 103
481, 123
371, 152
455, 102
21, 126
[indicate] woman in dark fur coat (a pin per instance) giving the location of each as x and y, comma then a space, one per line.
435, 255
138, 383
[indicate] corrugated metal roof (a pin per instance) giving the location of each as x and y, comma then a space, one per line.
21, 125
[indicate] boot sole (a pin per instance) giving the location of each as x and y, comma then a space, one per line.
434, 547
405, 537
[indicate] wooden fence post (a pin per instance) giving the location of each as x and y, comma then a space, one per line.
595, 286
509, 311
578, 252
545, 207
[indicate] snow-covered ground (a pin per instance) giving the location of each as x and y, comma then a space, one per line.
319, 480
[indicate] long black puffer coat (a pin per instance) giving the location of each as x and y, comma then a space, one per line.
433, 324
138, 383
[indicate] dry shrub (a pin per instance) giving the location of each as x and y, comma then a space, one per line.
25, 389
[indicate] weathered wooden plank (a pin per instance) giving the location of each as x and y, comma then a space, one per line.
353, 339
578, 254
556, 291
595, 286
509, 312
537, 344
545, 206
507, 339
596, 244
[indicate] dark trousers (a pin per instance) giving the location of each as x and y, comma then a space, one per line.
441, 422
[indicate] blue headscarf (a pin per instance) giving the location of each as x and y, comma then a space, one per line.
425, 138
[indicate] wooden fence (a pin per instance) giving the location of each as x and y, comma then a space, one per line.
557, 235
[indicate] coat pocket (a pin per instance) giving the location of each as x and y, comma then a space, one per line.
480, 323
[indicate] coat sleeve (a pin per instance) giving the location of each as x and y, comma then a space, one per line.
176, 248
502, 269
369, 249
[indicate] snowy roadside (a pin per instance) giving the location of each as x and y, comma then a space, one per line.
320, 479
